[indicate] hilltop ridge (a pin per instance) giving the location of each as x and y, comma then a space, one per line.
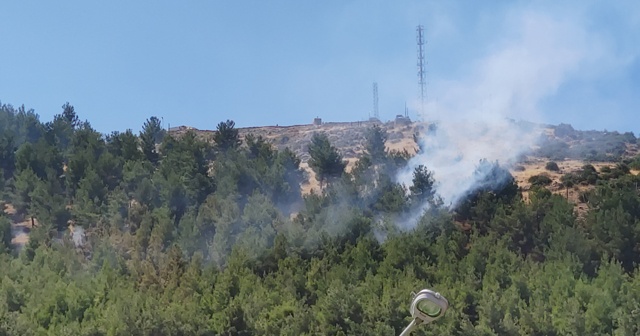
556, 142
570, 148
348, 137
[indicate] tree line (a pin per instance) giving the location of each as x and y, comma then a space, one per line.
183, 235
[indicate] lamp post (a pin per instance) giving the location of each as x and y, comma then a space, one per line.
426, 306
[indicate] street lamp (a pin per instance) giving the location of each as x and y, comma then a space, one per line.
427, 306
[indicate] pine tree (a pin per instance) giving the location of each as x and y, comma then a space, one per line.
7, 153
5, 234
124, 145
226, 136
375, 139
423, 184
325, 159
24, 185
152, 134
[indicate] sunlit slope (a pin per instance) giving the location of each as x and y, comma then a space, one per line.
563, 144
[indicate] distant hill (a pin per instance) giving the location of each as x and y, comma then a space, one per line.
571, 149
564, 142
557, 142
348, 137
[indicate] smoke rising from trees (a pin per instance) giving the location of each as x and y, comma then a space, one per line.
476, 116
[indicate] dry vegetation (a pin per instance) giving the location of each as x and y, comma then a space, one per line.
536, 166
349, 138
19, 226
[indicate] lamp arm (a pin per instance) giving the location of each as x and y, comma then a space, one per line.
410, 327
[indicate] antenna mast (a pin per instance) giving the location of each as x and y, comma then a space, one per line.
421, 66
375, 101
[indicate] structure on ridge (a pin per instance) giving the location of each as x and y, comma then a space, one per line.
421, 66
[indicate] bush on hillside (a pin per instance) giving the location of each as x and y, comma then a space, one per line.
586, 175
564, 130
540, 180
553, 149
585, 145
519, 168
552, 166
619, 170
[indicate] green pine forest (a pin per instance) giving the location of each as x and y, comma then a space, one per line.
180, 235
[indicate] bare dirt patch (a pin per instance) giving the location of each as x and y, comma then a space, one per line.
311, 183
9, 210
20, 227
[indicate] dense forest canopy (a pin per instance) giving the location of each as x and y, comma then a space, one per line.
154, 234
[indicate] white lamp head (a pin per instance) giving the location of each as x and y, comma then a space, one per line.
428, 305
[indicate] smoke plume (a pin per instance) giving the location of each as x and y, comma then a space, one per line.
475, 117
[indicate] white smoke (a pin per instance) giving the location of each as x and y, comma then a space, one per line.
78, 236
472, 114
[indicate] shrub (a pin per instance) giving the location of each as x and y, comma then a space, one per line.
540, 180
519, 168
554, 149
570, 179
538, 192
586, 175
552, 166
618, 171
584, 196
589, 174
564, 130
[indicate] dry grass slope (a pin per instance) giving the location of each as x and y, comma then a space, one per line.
349, 138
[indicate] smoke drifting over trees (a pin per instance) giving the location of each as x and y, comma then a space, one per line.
157, 234
478, 115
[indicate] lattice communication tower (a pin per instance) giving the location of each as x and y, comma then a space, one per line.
421, 66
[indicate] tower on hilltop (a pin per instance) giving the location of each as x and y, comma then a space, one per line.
421, 66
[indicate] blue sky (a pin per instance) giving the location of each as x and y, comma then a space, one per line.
285, 62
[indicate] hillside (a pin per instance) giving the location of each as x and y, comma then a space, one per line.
177, 235
569, 147
347, 137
